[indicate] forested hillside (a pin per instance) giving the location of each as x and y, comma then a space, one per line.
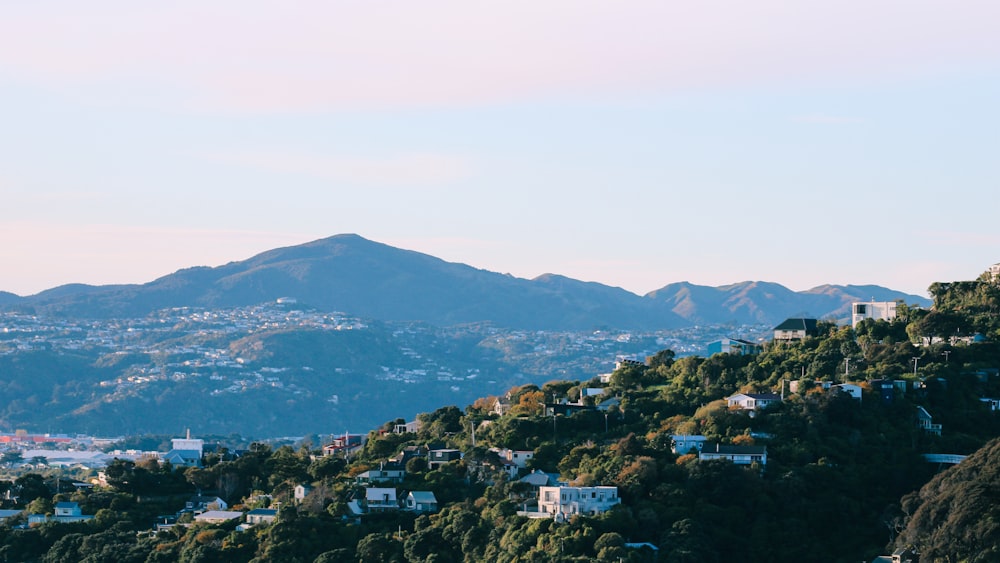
839, 481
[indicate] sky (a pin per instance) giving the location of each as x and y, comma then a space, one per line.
631, 143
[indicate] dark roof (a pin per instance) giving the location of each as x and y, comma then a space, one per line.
808, 325
764, 396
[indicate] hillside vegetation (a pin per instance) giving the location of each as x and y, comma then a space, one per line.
840, 482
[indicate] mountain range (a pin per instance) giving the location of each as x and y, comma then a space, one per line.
368, 279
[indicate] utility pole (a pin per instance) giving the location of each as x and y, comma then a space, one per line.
946, 353
915, 360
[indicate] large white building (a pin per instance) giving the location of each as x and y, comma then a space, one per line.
562, 502
878, 310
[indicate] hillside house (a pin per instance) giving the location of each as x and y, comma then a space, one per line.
185, 452
878, 310
421, 502
301, 491
381, 499
733, 346
218, 516
752, 401
925, 422
739, 455
563, 502
850, 388
683, 444
437, 458
795, 329
346, 443
203, 502
386, 473
261, 516
519, 458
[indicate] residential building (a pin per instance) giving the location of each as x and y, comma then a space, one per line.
261, 516
683, 444
739, 455
752, 401
733, 346
381, 499
205, 502
345, 443
850, 388
437, 458
562, 502
301, 491
217, 516
421, 501
878, 310
386, 473
925, 422
795, 329
517, 457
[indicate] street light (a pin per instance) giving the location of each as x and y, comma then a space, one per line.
945, 354
915, 360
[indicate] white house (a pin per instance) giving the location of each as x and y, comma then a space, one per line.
562, 502
517, 457
878, 310
752, 401
682, 444
381, 499
739, 455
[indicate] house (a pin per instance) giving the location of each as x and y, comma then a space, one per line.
381, 499
64, 512
502, 405
261, 516
6, 514
185, 452
682, 444
386, 473
795, 329
925, 422
301, 491
421, 501
752, 401
901, 555
851, 389
217, 516
562, 502
592, 392
67, 509
202, 502
994, 404
343, 444
605, 405
408, 453
437, 458
566, 408
886, 389
733, 346
411, 427
517, 457
739, 455
878, 310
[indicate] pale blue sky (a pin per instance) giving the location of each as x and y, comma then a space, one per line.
629, 143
